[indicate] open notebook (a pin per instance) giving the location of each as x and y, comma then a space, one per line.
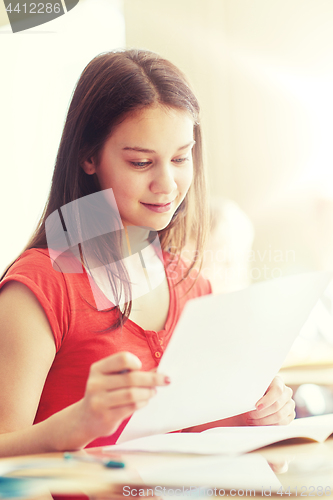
232, 440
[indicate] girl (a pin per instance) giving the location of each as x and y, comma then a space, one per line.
79, 344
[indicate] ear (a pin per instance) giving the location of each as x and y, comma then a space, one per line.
89, 166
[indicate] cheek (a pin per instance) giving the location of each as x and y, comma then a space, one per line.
127, 190
186, 179
123, 184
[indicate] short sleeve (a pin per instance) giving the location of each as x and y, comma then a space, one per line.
34, 269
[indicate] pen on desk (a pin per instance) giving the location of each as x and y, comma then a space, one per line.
111, 464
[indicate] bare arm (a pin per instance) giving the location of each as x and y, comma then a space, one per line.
27, 351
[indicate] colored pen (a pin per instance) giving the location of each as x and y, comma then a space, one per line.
111, 464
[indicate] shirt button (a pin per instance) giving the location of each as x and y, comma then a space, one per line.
157, 354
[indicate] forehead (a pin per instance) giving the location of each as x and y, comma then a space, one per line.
156, 125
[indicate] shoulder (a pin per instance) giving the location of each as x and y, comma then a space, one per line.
33, 268
32, 259
36, 266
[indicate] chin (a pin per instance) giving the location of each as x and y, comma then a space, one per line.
163, 226
158, 227
157, 222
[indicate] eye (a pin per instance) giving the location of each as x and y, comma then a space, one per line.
181, 160
140, 164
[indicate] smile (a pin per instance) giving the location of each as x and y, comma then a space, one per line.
160, 208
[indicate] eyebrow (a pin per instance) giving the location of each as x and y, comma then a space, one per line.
144, 150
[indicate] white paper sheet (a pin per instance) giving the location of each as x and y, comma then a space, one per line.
231, 440
225, 351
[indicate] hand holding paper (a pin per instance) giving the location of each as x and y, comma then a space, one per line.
225, 351
275, 407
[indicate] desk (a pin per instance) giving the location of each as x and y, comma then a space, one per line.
298, 465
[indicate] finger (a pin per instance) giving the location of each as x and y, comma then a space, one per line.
103, 402
119, 362
135, 379
279, 467
282, 417
120, 413
288, 419
275, 407
125, 397
278, 421
273, 393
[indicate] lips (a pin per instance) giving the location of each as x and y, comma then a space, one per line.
158, 207
158, 204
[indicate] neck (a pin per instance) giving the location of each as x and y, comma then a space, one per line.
134, 239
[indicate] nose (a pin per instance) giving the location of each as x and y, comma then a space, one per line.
163, 181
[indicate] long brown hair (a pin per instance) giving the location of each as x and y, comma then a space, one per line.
112, 85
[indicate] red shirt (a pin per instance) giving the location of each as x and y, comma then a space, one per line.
75, 328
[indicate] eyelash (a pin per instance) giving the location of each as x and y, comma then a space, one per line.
143, 164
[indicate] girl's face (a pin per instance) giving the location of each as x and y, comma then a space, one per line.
147, 161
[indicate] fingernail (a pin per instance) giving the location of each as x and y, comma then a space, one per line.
167, 380
260, 407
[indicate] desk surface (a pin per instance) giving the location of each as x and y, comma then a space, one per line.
304, 467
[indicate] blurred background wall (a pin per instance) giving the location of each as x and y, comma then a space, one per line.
263, 71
